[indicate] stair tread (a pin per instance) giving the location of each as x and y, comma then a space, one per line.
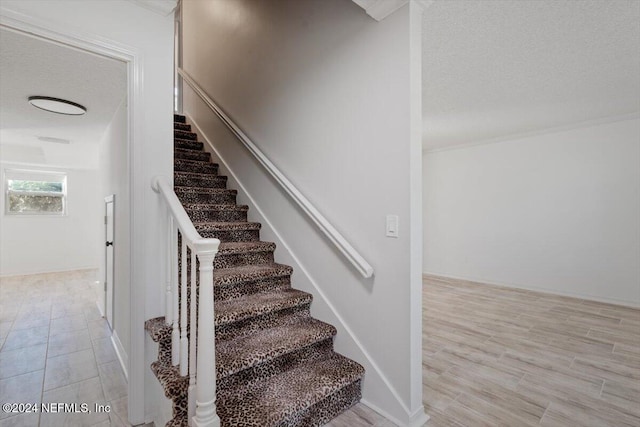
157, 328
235, 355
244, 247
195, 175
225, 276
194, 146
191, 189
194, 161
188, 142
185, 133
182, 154
186, 150
253, 305
210, 206
218, 226
269, 402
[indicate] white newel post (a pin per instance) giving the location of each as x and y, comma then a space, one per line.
206, 415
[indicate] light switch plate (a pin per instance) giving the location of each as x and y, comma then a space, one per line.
392, 225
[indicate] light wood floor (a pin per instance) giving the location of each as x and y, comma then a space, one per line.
505, 357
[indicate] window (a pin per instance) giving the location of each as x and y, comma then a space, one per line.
35, 192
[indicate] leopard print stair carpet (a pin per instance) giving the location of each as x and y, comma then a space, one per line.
275, 364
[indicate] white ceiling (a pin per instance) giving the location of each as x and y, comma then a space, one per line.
33, 66
494, 69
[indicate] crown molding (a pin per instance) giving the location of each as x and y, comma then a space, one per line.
163, 7
537, 132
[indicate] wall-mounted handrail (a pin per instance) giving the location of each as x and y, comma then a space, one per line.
197, 361
318, 219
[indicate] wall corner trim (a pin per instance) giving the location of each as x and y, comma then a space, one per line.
380, 9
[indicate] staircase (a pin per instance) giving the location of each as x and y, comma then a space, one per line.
275, 364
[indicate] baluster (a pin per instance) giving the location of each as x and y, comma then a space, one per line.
206, 361
193, 328
168, 311
184, 341
175, 332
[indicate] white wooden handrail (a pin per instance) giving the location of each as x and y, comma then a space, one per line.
196, 359
161, 185
318, 219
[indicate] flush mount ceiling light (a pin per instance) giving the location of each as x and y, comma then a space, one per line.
56, 105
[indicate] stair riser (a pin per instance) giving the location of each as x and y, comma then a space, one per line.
175, 388
179, 134
237, 260
203, 181
233, 235
181, 126
328, 408
223, 260
269, 320
180, 165
226, 292
218, 215
278, 365
215, 198
188, 145
164, 351
192, 155
178, 118
170, 375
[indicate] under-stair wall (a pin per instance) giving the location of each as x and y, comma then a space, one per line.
323, 90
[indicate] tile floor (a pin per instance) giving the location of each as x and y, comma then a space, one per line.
55, 348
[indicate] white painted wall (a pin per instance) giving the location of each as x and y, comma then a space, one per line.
37, 244
324, 91
556, 212
114, 179
123, 24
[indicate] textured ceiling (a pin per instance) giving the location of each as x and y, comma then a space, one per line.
33, 66
494, 69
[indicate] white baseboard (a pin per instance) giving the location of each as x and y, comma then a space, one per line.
123, 358
32, 273
100, 308
418, 419
578, 295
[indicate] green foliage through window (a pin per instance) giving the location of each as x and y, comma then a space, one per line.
35, 193
33, 204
